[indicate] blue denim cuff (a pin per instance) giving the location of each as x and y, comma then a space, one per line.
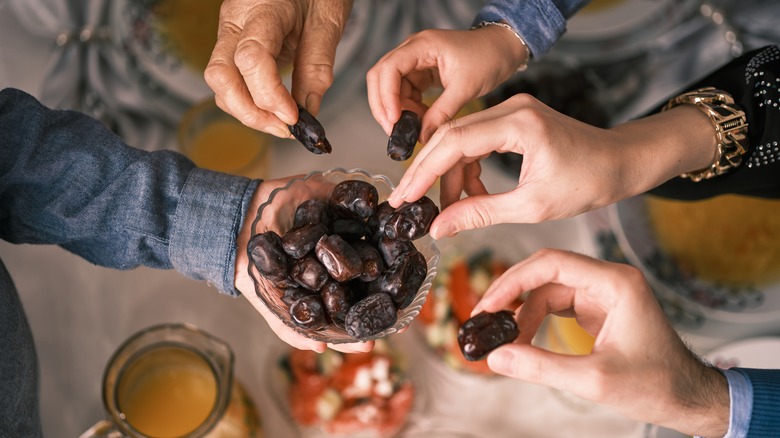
208, 219
540, 23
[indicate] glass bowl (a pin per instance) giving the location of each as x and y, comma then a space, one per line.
277, 215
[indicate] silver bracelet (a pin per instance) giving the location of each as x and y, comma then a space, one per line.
482, 24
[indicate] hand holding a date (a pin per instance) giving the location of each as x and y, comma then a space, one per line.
639, 366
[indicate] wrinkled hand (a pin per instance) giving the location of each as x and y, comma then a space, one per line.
258, 37
639, 366
568, 168
465, 63
246, 286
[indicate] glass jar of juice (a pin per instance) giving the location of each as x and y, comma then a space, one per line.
174, 380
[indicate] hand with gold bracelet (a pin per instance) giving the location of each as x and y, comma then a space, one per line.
568, 168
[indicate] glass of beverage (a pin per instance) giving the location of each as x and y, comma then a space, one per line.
174, 380
216, 140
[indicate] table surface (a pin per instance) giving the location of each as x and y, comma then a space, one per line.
80, 313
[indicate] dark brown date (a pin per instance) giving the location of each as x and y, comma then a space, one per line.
411, 220
309, 272
350, 229
337, 298
403, 138
354, 198
267, 254
300, 241
373, 264
392, 249
313, 211
309, 312
376, 223
309, 131
340, 259
485, 332
294, 294
403, 279
370, 316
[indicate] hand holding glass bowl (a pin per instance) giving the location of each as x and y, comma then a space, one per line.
277, 215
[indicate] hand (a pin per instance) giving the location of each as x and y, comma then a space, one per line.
639, 366
246, 286
568, 167
467, 64
258, 37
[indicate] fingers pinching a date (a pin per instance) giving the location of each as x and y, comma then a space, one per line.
484, 332
403, 138
309, 131
343, 264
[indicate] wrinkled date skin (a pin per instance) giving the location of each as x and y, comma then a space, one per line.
411, 220
339, 258
376, 223
354, 199
313, 211
402, 280
309, 272
392, 249
337, 298
294, 294
403, 138
350, 229
267, 254
373, 265
485, 332
370, 316
309, 312
309, 131
300, 241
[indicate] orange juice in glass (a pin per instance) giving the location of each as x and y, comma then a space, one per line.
215, 140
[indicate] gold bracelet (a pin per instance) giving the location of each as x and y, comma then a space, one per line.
482, 24
730, 129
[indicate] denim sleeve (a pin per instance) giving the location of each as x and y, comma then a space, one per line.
67, 180
764, 421
540, 22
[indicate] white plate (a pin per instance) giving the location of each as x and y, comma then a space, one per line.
762, 353
756, 307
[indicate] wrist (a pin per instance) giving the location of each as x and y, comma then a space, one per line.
508, 42
665, 145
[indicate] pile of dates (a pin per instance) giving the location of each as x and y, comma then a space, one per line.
348, 261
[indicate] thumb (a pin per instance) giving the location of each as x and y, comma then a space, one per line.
478, 212
536, 365
443, 109
314, 59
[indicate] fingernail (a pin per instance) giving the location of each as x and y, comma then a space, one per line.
313, 101
447, 229
286, 118
277, 131
320, 348
500, 361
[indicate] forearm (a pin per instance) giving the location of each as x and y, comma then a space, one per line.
752, 81
66, 180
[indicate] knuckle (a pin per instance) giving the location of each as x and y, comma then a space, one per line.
217, 75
